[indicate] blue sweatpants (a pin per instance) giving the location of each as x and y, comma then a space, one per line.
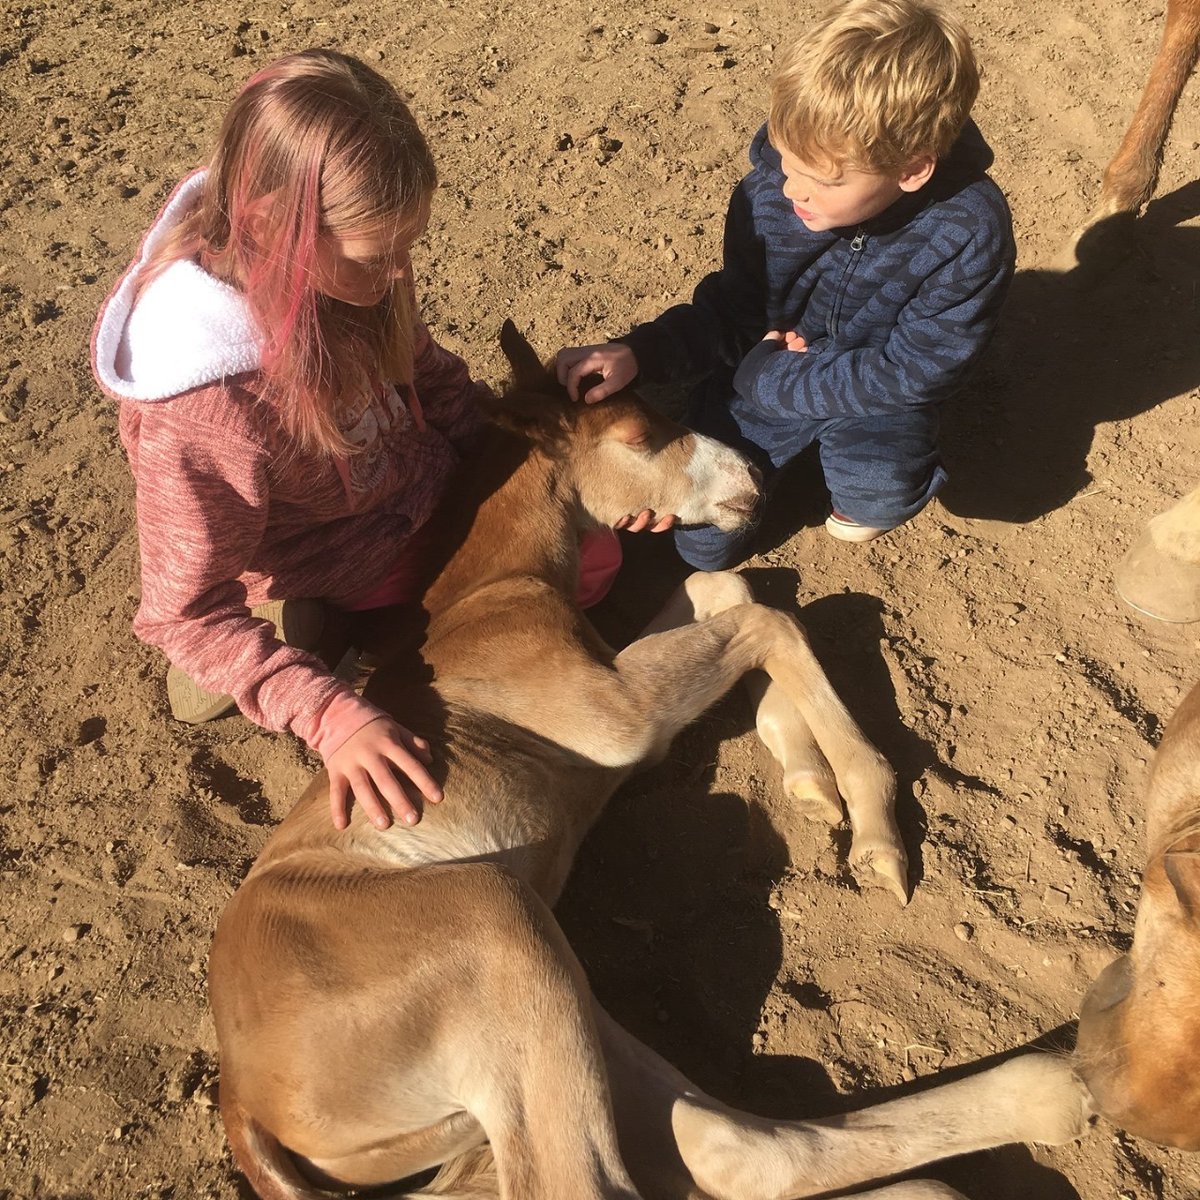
880, 470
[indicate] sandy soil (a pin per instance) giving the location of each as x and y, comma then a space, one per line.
586, 166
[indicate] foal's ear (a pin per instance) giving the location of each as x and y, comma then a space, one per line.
528, 370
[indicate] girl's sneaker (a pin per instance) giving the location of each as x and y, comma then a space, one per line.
297, 622
846, 530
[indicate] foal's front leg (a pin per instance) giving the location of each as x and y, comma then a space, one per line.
674, 675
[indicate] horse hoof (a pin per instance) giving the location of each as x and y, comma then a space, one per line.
816, 797
882, 866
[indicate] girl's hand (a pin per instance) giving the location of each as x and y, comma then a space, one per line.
645, 519
373, 767
613, 361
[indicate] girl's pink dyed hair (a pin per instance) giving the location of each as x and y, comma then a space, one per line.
316, 142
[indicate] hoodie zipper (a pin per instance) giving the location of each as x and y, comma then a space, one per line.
859, 240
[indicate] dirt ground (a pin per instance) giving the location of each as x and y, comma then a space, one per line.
586, 157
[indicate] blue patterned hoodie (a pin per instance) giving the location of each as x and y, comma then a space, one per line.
895, 312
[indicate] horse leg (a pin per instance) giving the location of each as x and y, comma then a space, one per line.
1131, 175
1130, 178
807, 776
674, 675
681, 1143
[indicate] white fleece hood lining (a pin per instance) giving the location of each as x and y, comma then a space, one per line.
186, 329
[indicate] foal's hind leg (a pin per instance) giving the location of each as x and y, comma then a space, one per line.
674, 675
395, 1044
680, 1143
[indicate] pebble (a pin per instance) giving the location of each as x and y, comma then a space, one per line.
73, 933
964, 932
652, 36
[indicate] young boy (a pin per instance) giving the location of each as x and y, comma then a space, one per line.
866, 258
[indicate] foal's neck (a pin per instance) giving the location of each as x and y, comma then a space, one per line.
526, 521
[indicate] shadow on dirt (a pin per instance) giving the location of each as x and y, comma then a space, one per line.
1103, 342
667, 906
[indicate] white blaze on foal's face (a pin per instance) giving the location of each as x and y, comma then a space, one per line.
645, 461
725, 489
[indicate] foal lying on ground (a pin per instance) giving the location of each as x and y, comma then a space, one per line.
389, 1001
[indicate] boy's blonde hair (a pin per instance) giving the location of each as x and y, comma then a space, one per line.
873, 85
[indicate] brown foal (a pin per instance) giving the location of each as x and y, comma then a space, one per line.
390, 1001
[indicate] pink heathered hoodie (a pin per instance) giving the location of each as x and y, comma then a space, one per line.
228, 516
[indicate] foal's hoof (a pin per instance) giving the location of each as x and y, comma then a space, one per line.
882, 866
1049, 1103
816, 796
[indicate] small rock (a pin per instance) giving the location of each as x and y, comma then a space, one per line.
709, 27
74, 932
652, 36
1054, 897
964, 932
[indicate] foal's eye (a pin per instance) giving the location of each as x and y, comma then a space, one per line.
632, 431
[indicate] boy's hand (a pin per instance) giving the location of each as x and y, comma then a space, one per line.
373, 767
613, 361
791, 340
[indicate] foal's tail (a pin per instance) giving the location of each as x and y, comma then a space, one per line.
272, 1172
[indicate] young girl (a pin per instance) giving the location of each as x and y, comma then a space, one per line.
288, 419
